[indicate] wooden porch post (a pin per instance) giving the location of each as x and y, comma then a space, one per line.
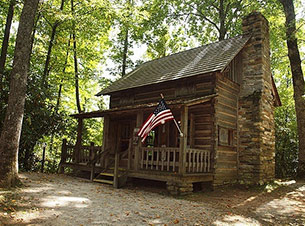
137, 147
105, 132
183, 140
78, 140
116, 170
117, 158
91, 158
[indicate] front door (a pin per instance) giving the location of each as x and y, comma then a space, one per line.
125, 130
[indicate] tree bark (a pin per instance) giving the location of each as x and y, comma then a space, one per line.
6, 38
75, 64
298, 79
10, 135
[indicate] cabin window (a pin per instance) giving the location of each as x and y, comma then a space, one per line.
226, 137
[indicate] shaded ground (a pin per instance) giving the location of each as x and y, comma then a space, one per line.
63, 200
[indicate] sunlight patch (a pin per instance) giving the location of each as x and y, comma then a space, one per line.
36, 189
61, 201
284, 206
236, 220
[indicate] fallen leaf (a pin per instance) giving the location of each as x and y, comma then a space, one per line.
176, 221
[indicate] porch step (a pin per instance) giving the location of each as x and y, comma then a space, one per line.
107, 174
108, 177
103, 181
120, 169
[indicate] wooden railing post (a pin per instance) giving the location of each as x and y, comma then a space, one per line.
91, 159
183, 140
129, 154
137, 147
63, 155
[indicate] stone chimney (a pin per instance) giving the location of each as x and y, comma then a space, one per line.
256, 117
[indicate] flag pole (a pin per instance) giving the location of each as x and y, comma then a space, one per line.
181, 134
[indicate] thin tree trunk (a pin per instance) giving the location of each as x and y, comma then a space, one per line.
125, 50
6, 38
51, 43
58, 101
298, 79
10, 135
222, 17
75, 64
62, 80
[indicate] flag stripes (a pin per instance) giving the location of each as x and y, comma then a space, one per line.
160, 115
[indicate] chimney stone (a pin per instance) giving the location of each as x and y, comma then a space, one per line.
256, 108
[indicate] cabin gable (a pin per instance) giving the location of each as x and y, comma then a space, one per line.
187, 88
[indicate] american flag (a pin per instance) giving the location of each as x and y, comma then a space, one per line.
160, 115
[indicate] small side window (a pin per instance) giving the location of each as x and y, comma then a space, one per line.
226, 137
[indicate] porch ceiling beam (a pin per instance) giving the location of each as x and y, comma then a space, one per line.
173, 104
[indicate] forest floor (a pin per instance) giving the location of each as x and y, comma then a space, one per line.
64, 200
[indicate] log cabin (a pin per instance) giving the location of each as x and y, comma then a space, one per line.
223, 97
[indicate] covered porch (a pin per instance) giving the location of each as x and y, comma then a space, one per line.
164, 156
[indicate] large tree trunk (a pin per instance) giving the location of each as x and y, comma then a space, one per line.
75, 64
6, 38
298, 79
10, 135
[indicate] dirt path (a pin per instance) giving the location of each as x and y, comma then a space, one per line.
63, 200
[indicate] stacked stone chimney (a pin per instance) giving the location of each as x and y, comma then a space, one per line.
256, 118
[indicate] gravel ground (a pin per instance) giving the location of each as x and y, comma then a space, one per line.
64, 200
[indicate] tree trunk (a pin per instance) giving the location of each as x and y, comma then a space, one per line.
58, 102
47, 63
222, 18
298, 79
6, 38
75, 64
51, 43
125, 50
10, 135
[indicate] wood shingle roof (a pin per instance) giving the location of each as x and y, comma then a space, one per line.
208, 58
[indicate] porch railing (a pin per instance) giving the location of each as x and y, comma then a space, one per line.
164, 159
81, 155
198, 161
167, 159
159, 159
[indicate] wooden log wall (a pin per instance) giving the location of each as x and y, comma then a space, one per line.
226, 107
196, 86
201, 126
